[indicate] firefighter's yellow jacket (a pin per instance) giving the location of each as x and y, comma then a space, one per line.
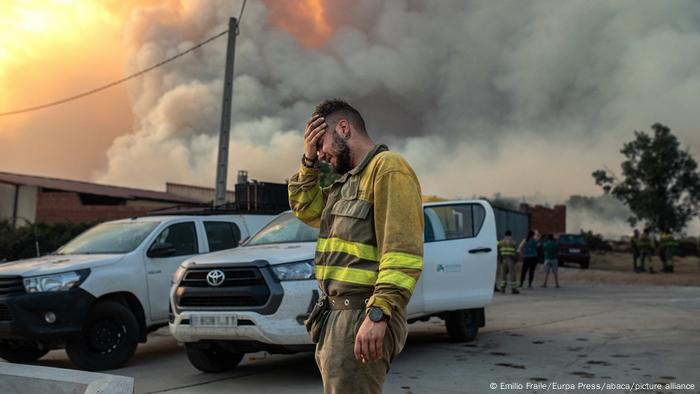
371, 228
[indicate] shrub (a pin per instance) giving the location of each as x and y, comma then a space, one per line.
21, 243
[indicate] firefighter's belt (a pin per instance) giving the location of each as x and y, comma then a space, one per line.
348, 302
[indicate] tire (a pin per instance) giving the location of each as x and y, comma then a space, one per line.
108, 339
462, 325
212, 358
22, 352
585, 264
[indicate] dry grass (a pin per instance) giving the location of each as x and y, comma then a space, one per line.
616, 268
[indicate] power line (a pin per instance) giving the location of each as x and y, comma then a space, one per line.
111, 84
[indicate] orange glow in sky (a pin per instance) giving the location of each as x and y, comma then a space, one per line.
34, 33
49, 50
306, 20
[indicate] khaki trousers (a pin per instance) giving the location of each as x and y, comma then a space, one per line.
335, 355
507, 272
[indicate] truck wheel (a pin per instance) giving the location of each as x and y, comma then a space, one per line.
212, 358
462, 325
22, 352
108, 340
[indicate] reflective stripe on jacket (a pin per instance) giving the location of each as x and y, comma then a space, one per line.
371, 228
506, 247
666, 240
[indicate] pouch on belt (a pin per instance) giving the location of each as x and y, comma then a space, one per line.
317, 318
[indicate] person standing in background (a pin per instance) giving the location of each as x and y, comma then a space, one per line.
646, 250
507, 259
634, 248
667, 246
551, 263
528, 249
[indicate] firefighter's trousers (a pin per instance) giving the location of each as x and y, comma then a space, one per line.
507, 271
335, 355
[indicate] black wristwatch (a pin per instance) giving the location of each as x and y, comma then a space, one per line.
377, 315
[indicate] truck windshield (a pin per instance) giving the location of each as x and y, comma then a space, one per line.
284, 228
572, 239
109, 238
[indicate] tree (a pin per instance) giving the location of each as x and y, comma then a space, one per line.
660, 183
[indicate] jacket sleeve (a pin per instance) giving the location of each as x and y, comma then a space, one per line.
306, 197
398, 216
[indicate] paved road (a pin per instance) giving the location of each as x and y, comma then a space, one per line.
578, 334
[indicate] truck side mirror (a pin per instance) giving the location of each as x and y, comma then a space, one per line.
161, 250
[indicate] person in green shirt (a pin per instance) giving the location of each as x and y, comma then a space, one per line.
551, 264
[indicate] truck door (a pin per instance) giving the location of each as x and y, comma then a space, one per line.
175, 244
459, 261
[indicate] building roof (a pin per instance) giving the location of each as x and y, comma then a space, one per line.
91, 188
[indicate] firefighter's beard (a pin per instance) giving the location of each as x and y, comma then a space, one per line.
341, 152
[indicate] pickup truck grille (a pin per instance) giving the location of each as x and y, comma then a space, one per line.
242, 287
5, 313
11, 285
235, 277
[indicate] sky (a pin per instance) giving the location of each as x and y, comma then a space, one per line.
524, 98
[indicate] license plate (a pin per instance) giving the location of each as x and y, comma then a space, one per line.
214, 321
574, 250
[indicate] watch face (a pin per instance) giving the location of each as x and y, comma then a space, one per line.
376, 314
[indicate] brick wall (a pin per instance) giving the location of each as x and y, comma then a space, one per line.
546, 220
61, 207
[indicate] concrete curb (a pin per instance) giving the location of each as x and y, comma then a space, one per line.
29, 379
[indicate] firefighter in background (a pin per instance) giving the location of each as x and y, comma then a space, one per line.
646, 250
634, 247
507, 258
667, 246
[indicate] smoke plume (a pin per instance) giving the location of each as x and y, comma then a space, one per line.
482, 97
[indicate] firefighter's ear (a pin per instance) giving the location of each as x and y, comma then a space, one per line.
343, 128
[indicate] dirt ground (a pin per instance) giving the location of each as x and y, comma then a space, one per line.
616, 268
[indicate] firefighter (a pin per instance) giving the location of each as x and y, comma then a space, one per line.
507, 258
667, 246
634, 247
646, 249
369, 254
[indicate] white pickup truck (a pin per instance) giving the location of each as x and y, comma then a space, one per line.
257, 296
105, 290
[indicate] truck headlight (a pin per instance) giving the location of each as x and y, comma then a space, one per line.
294, 271
177, 276
55, 282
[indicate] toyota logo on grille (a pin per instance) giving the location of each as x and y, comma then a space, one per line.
215, 277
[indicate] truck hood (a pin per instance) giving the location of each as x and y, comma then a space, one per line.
57, 263
273, 254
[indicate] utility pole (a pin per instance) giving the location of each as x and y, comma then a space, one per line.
224, 132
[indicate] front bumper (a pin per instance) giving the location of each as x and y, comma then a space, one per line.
23, 315
574, 258
283, 327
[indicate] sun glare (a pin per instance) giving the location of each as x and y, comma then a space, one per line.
31, 29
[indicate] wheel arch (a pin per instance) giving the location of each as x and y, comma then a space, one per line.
132, 302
